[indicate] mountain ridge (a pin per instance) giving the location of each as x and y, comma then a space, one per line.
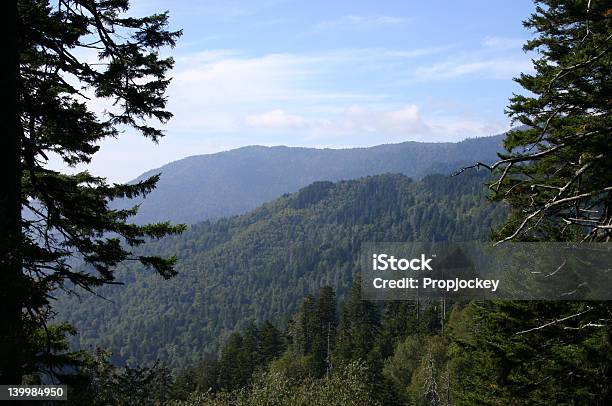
209, 186
259, 265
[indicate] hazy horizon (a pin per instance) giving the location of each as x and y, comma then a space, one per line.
301, 147
341, 75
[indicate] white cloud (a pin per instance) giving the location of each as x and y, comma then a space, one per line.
501, 43
224, 9
225, 92
356, 119
499, 68
214, 91
225, 80
368, 125
405, 121
359, 21
458, 128
275, 119
349, 97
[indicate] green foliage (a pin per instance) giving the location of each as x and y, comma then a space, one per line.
295, 367
52, 356
313, 333
360, 326
399, 319
219, 185
240, 357
235, 367
260, 265
557, 178
271, 343
557, 174
245, 353
430, 382
402, 364
512, 351
101, 383
50, 220
345, 387
74, 208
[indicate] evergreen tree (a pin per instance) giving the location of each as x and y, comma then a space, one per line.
47, 86
313, 330
509, 352
399, 319
303, 327
101, 383
557, 173
234, 371
206, 373
359, 327
557, 178
271, 344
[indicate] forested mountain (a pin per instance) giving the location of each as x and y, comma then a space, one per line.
211, 186
258, 266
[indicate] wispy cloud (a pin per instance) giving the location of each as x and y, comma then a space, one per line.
365, 125
275, 119
318, 94
229, 9
307, 73
358, 120
359, 22
350, 97
499, 68
222, 11
502, 43
228, 79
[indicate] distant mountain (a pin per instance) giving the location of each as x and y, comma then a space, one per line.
217, 185
259, 265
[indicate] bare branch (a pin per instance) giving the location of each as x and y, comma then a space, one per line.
555, 322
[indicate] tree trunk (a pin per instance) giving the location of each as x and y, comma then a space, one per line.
12, 287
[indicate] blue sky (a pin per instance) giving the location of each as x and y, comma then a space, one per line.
329, 74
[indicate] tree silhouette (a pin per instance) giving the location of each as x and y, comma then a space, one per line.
60, 57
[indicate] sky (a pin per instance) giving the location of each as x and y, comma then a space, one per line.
328, 74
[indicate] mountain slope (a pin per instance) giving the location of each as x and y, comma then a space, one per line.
211, 186
259, 265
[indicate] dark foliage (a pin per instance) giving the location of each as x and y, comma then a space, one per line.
69, 216
259, 266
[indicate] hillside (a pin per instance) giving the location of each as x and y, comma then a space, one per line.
259, 265
218, 185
